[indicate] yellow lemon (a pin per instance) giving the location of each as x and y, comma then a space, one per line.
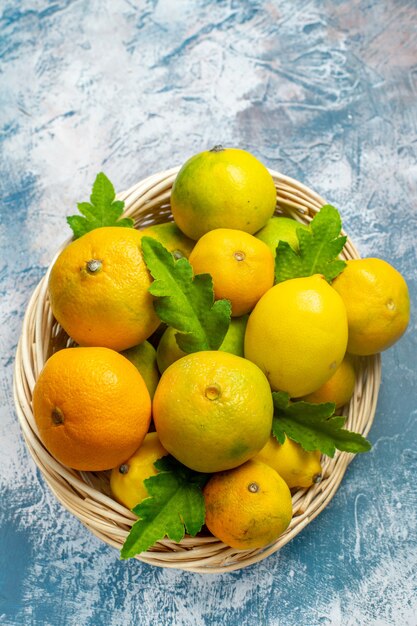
377, 303
296, 466
126, 480
222, 188
297, 334
247, 507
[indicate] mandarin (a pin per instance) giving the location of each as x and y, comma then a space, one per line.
92, 408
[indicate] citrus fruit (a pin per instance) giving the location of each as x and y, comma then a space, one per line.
339, 388
296, 466
169, 351
126, 480
213, 410
377, 303
171, 238
235, 336
98, 290
143, 358
242, 267
247, 507
222, 188
280, 229
92, 408
297, 334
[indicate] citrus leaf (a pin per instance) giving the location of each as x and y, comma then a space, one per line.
102, 210
184, 301
175, 506
314, 426
320, 246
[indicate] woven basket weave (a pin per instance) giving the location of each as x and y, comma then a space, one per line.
87, 495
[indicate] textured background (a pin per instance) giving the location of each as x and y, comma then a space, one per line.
322, 91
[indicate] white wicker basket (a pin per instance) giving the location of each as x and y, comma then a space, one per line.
87, 495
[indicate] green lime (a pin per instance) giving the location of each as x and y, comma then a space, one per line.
280, 229
143, 357
168, 350
235, 336
171, 238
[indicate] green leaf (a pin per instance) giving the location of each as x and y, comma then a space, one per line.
185, 302
313, 427
102, 210
175, 506
320, 246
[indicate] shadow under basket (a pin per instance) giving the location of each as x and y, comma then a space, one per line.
86, 494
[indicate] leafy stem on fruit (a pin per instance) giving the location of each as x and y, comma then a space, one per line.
102, 210
314, 426
320, 247
184, 301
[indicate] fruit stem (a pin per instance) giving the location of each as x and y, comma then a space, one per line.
57, 416
93, 266
217, 148
239, 256
213, 392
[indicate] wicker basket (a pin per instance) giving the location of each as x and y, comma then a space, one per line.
86, 494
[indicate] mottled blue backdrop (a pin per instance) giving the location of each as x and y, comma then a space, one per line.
325, 91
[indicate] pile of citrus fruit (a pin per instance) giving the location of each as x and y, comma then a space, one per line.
128, 392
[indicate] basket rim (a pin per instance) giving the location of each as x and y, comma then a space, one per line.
103, 516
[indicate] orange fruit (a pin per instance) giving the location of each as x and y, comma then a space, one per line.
242, 267
222, 188
297, 334
126, 480
295, 465
377, 303
247, 507
92, 408
171, 238
339, 388
98, 290
213, 410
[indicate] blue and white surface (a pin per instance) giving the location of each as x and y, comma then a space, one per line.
325, 92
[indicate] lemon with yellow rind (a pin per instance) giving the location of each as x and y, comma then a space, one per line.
126, 480
377, 301
296, 466
297, 334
